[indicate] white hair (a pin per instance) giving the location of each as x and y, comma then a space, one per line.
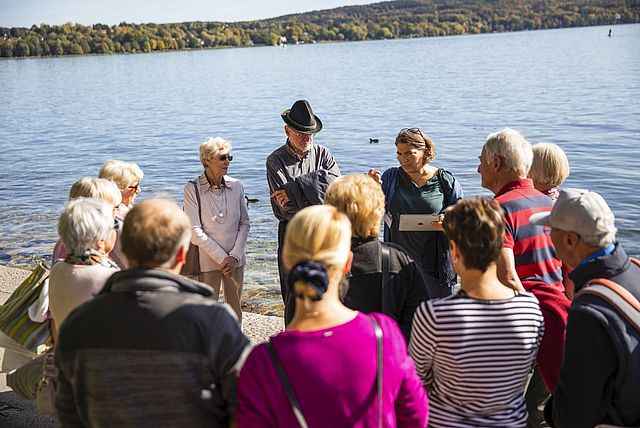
211, 147
512, 148
599, 241
84, 223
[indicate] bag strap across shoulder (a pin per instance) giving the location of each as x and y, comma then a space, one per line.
195, 187
622, 300
385, 277
293, 400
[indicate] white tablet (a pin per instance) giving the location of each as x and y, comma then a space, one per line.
417, 222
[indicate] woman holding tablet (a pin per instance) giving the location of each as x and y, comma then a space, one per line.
416, 192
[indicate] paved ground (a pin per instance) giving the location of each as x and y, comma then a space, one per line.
17, 413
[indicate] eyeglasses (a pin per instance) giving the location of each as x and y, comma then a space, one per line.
225, 157
135, 187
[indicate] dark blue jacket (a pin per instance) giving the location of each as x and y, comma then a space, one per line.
600, 372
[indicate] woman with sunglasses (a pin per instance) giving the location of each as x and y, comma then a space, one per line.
417, 187
220, 222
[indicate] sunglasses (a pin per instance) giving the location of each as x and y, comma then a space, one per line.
414, 131
225, 157
136, 187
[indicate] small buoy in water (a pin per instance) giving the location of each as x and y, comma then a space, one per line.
373, 141
250, 200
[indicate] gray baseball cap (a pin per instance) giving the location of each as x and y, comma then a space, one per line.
580, 211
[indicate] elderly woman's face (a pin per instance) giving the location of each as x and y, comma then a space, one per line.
129, 194
409, 157
218, 164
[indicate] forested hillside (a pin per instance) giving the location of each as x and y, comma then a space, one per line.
387, 20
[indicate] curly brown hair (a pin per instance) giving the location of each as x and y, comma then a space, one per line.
476, 225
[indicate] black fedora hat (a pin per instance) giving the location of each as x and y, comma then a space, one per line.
301, 118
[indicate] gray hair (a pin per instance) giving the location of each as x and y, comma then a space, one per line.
211, 147
599, 241
85, 222
514, 150
99, 188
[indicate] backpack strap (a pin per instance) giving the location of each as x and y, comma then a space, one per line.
447, 190
622, 300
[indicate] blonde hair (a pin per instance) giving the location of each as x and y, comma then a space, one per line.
512, 147
211, 147
98, 188
153, 232
321, 234
550, 164
124, 174
361, 199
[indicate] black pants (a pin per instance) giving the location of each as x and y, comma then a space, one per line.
287, 299
535, 397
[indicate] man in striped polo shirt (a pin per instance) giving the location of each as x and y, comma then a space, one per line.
528, 259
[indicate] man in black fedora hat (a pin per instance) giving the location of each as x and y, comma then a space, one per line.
298, 174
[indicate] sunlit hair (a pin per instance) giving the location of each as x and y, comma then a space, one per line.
418, 140
153, 232
213, 146
98, 188
550, 164
514, 150
321, 234
84, 223
361, 199
124, 174
476, 225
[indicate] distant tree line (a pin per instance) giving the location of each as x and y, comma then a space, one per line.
387, 20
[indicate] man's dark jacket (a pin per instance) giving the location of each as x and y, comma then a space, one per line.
600, 373
152, 349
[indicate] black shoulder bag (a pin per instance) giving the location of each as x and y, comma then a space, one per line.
293, 400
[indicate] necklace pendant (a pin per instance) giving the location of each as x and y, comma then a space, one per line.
221, 215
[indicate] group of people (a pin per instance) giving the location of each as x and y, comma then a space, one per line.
544, 325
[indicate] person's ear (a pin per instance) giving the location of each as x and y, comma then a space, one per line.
497, 163
181, 255
287, 130
571, 239
454, 252
347, 266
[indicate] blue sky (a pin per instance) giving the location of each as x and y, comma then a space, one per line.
24, 13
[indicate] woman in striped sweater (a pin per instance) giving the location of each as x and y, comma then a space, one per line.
474, 350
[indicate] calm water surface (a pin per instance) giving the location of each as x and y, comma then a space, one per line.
61, 118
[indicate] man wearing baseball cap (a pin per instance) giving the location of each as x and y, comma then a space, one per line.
600, 372
298, 173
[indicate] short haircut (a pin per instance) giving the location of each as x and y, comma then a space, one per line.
361, 199
153, 232
550, 164
476, 225
98, 188
321, 234
418, 140
84, 223
512, 147
211, 147
124, 174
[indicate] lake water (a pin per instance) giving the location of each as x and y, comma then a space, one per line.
61, 118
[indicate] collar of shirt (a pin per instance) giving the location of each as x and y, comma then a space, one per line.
601, 252
520, 183
294, 154
208, 186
